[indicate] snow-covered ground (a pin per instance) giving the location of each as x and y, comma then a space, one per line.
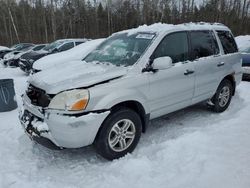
191, 148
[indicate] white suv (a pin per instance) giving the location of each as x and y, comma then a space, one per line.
132, 77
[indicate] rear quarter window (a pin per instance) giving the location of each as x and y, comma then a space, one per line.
228, 43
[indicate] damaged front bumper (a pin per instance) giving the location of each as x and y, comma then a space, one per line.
57, 130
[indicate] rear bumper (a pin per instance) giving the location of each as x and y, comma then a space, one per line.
246, 77
246, 73
61, 130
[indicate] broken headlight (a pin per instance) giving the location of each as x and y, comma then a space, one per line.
73, 100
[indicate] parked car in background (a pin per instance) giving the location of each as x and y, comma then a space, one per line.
62, 59
14, 62
27, 60
2, 48
244, 47
132, 77
6, 50
246, 64
23, 47
3, 51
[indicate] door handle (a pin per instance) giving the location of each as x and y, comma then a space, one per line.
220, 64
187, 72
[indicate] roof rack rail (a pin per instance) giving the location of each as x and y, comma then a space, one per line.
216, 23
203, 23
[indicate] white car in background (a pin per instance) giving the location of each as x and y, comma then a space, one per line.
21, 48
75, 54
4, 48
61, 45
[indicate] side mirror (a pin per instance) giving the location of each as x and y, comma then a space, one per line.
162, 63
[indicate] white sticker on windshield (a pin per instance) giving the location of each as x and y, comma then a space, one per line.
145, 36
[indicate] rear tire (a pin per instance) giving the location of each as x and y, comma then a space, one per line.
119, 134
223, 96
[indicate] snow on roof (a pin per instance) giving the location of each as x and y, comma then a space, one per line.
243, 42
162, 28
74, 40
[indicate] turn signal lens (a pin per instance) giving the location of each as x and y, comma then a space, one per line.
79, 105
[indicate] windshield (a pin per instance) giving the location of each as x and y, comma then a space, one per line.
15, 46
121, 49
38, 47
26, 49
53, 45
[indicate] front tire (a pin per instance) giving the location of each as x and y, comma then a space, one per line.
223, 96
119, 134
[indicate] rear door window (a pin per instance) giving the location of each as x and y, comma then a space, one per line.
228, 43
174, 45
203, 44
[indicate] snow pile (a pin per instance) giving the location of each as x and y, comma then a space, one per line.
243, 42
189, 148
74, 54
20, 80
3, 48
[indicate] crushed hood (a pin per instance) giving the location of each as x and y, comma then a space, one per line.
77, 74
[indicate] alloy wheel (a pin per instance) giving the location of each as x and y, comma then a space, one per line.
122, 135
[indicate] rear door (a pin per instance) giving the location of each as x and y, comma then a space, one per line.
208, 63
231, 57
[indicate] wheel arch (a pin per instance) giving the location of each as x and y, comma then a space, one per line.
138, 108
231, 78
133, 105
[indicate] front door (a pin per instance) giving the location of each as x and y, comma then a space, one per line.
172, 89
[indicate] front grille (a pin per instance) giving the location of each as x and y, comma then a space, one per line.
38, 96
